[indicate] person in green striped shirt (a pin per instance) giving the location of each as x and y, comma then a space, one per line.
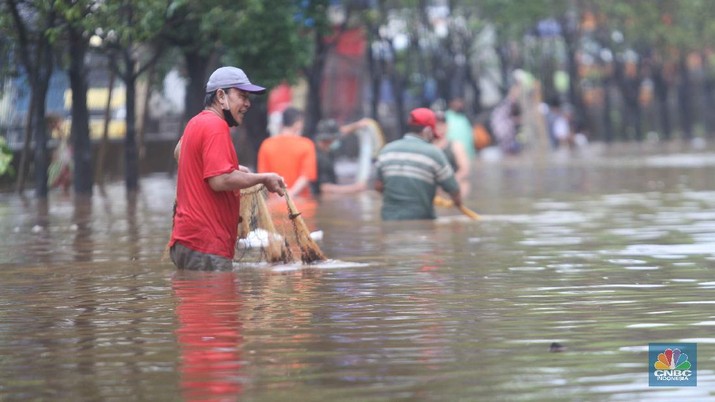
410, 170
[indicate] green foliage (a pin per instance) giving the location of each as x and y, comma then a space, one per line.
130, 23
196, 27
5, 159
665, 25
268, 40
512, 19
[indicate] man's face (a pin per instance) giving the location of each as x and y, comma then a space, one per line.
238, 102
457, 105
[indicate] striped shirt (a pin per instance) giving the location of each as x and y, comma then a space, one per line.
411, 169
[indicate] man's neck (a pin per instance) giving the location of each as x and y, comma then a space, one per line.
287, 132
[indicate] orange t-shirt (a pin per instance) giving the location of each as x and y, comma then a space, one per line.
290, 156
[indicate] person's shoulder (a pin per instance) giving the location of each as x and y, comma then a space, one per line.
393, 144
269, 143
206, 123
432, 151
207, 116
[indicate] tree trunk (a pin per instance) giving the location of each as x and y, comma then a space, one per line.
131, 165
374, 73
197, 73
145, 112
313, 112
571, 37
476, 90
708, 97
684, 102
607, 106
40, 151
23, 167
81, 145
102, 152
36, 57
398, 87
255, 127
661, 89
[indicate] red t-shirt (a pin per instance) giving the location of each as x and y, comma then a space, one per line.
206, 220
290, 156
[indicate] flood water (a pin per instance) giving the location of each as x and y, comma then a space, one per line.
602, 254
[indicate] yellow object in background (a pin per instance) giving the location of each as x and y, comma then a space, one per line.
97, 98
440, 201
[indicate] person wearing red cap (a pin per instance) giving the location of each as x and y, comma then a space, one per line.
410, 170
209, 178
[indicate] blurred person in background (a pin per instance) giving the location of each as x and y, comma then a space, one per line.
59, 172
459, 128
327, 136
455, 153
410, 170
290, 154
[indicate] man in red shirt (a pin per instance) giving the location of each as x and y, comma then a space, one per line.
209, 177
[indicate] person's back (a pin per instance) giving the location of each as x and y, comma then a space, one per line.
290, 155
409, 171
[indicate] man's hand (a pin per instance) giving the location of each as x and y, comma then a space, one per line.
274, 183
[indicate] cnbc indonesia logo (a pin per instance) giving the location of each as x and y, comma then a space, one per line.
671, 365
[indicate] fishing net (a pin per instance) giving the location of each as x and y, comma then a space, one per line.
263, 236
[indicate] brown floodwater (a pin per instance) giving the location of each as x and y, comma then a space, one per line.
602, 254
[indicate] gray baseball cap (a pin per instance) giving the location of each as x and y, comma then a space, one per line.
231, 77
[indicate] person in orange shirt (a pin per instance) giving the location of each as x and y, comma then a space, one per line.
290, 155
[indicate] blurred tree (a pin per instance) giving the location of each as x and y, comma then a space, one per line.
195, 31
324, 36
27, 24
512, 20
73, 32
130, 32
269, 39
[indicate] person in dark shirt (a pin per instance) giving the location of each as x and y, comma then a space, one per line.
327, 133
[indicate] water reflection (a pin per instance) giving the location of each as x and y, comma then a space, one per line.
209, 334
132, 227
82, 223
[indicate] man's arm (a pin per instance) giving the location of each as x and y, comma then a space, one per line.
351, 127
331, 188
456, 197
238, 179
301, 183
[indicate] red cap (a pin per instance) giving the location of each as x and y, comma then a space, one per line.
423, 117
